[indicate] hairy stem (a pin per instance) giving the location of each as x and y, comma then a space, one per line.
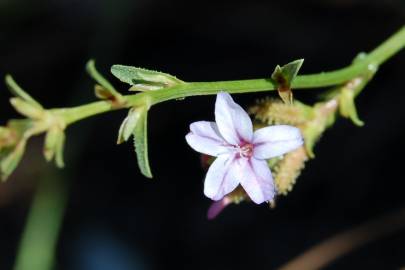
370, 62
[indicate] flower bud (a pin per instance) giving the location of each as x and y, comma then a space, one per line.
26, 108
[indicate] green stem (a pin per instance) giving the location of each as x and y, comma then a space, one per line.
37, 246
371, 61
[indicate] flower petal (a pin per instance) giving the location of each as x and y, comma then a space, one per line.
220, 179
204, 137
233, 122
217, 207
275, 141
257, 181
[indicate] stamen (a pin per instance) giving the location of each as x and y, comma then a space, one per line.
246, 150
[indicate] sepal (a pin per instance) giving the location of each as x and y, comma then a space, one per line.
54, 145
104, 89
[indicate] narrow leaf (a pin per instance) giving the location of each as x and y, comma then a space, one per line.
51, 139
283, 77
16, 90
53, 147
135, 76
141, 144
9, 162
59, 151
26, 108
107, 90
347, 106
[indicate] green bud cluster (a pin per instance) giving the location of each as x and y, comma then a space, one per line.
14, 136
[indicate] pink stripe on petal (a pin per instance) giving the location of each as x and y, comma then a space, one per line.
233, 122
275, 141
257, 181
220, 179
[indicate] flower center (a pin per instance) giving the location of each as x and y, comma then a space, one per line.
246, 150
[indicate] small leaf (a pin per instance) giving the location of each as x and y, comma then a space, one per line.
102, 93
144, 78
19, 92
59, 151
283, 77
104, 90
53, 147
26, 108
128, 125
347, 106
141, 144
10, 160
51, 139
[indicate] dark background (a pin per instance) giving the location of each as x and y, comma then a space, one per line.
117, 219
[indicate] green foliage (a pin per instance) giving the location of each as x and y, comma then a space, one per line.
136, 124
12, 145
10, 160
59, 149
141, 143
26, 108
347, 107
143, 79
128, 125
54, 144
16, 90
13, 137
283, 77
104, 89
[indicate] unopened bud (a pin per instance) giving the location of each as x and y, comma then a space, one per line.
27, 109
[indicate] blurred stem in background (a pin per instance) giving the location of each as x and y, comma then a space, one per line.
326, 252
39, 239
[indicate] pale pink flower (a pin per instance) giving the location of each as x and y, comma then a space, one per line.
241, 153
